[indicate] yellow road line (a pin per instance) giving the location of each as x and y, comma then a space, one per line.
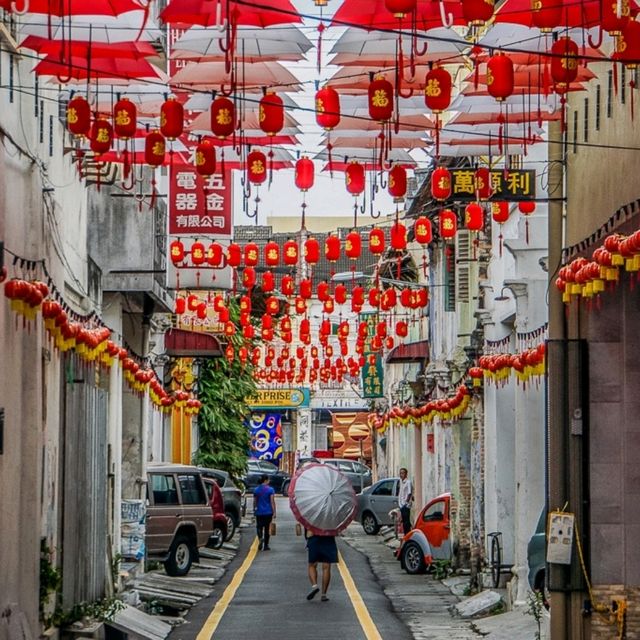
212, 622
364, 618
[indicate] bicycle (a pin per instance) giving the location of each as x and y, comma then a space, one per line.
495, 557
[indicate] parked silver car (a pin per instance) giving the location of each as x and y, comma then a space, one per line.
358, 473
376, 502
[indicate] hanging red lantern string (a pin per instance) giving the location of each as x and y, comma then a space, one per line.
447, 224
564, 63
437, 96
423, 234
482, 183
397, 183
474, 221
271, 113
154, 153
304, 178
380, 94
500, 76
355, 182
78, 116
526, 208
327, 108
290, 253
125, 123
171, 119
223, 117
441, 184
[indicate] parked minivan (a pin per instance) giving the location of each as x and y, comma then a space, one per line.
178, 516
358, 473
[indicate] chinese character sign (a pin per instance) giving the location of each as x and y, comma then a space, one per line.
515, 184
199, 205
372, 374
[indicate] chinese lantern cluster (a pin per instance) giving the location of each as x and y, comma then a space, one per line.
584, 279
447, 409
89, 341
498, 368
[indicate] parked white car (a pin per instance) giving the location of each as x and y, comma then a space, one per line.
376, 503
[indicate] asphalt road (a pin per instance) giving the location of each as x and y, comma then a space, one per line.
269, 601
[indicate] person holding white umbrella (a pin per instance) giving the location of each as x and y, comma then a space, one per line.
324, 503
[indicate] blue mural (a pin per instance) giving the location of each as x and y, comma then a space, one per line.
265, 430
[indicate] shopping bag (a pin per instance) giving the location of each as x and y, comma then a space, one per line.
272, 529
298, 529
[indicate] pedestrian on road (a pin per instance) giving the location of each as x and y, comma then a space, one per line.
322, 549
264, 509
405, 498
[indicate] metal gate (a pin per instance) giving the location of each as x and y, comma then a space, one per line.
84, 486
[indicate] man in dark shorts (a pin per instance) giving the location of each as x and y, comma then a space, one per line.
322, 549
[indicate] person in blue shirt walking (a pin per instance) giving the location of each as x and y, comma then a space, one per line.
264, 508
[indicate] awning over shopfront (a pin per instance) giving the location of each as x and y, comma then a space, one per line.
409, 352
191, 344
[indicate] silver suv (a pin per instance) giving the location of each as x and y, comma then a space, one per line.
358, 473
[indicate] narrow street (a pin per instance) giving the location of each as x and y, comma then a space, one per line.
270, 603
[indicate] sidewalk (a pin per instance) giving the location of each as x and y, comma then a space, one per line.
425, 604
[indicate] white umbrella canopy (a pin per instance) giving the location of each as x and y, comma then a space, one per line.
396, 156
202, 102
322, 499
270, 43
372, 142
253, 77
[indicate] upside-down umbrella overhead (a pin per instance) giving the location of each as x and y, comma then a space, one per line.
72, 7
322, 499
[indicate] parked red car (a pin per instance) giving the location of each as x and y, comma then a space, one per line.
430, 538
216, 502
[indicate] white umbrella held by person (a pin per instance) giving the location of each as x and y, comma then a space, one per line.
322, 499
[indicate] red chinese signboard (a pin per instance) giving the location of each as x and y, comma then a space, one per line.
199, 206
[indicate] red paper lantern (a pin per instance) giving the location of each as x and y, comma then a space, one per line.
154, 148
500, 76
328, 305
171, 119
268, 282
406, 298
272, 305
327, 108
398, 236
526, 207
125, 118
546, 14
205, 158
311, 251
306, 288
564, 62
376, 241
397, 183
290, 253
181, 306
101, 136
354, 177
353, 245
223, 117
198, 255
447, 224
402, 329
256, 167
441, 183
332, 248
400, 8
357, 295
272, 254
474, 217
214, 254
477, 12
248, 277
340, 293
323, 291
500, 211
251, 254
245, 306
437, 89
482, 183
176, 251
380, 99
288, 286
78, 116
388, 299
271, 113
300, 305
422, 230
610, 21
234, 255
304, 173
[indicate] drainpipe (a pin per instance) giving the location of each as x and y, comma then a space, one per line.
556, 453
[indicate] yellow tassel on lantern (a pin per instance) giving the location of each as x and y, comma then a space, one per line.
598, 285
630, 264
617, 260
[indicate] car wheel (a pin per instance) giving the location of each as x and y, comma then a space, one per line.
285, 488
370, 524
413, 559
219, 536
231, 525
180, 558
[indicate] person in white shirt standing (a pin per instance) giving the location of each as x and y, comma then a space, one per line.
405, 498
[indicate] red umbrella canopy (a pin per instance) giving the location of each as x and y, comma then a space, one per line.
116, 69
373, 14
61, 50
208, 14
73, 7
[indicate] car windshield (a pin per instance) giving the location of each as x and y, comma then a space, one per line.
269, 467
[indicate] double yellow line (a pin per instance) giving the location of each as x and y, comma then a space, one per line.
364, 617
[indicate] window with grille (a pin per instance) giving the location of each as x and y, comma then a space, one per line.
463, 265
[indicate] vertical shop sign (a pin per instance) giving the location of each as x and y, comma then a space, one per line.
372, 374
